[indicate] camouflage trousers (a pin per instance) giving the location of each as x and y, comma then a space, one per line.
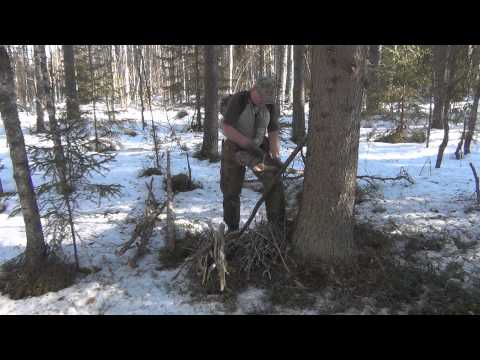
232, 175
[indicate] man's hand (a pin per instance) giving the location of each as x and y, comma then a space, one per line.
255, 150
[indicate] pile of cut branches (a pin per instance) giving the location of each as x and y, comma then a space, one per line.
261, 251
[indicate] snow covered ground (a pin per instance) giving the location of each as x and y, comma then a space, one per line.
437, 205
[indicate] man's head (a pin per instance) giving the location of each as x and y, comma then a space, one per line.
264, 91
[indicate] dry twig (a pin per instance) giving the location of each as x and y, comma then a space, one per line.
144, 228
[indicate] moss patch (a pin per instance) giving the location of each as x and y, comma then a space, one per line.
150, 172
19, 281
398, 136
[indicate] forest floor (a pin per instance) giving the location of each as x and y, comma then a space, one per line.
433, 221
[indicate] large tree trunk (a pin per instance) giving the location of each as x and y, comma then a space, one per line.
73, 110
198, 103
36, 248
140, 83
373, 103
210, 131
40, 94
288, 83
298, 121
171, 73
29, 89
449, 81
279, 69
324, 228
472, 119
94, 94
111, 70
230, 69
439, 65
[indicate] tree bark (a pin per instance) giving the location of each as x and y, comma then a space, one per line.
230, 69
198, 104
210, 132
298, 120
112, 80
449, 81
373, 103
439, 66
73, 110
94, 94
140, 83
54, 129
472, 118
280, 78
28, 79
36, 248
40, 94
324, 228
288, 83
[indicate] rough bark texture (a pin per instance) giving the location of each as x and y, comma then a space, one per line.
279, 69
288, 83
198, 100
373, 103
324, 228
210, 129
439, 65
40, 94
36, 249
94, 94
140, 83
472, 119
73, 111
448, 80
298, 121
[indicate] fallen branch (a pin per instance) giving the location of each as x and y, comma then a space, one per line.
8, 194
144, 228
477, 188
403, 176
